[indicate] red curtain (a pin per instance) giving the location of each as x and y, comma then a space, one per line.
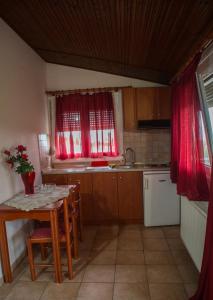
187, 157
85, 126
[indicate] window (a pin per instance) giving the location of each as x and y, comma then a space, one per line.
205, 83
206, 117
85, 126
205, 159
207, 95
73, 121
102, 140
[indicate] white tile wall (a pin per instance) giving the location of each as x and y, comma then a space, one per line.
150, 146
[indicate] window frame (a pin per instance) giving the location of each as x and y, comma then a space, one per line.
206, 67
119, 130
205, 117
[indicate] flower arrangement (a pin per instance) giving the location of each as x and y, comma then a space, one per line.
19, 160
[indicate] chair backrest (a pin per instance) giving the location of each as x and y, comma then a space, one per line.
71, 202
75, 195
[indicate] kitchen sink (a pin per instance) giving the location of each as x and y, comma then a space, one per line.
124, 167
98, 168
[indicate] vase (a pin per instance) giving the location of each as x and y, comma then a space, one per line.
28, 180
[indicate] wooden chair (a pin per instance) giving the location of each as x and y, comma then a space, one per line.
78, 208
76, 219
42, 236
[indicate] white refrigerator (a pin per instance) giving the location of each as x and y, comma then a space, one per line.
161, 202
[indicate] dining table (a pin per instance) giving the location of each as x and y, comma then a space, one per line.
48, 212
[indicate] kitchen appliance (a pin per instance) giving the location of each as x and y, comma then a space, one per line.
161, 202
154, 124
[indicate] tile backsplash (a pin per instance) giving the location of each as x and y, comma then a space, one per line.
150, 146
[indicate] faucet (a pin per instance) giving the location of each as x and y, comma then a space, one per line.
131, 159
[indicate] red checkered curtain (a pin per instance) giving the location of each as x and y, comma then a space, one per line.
85, 126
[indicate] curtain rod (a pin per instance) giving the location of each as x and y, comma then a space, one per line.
89, 90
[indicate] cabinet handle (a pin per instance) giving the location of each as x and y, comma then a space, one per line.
113, 177
146, 184
162, 180
120, 177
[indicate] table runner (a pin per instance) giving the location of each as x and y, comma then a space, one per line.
39, 199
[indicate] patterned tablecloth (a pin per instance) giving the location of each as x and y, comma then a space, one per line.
39, 199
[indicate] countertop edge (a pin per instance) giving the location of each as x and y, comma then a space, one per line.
115, 170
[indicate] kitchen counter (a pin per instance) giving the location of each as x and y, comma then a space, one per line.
108, 194
77, 170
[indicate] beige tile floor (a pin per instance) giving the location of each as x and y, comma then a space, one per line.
116, 263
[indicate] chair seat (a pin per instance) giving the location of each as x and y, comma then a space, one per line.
45, 233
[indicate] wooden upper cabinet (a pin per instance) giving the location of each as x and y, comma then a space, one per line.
130, 199
153, 103
105, 196
129, 108
164, 103
146, 103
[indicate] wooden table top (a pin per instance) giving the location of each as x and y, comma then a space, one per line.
56, 205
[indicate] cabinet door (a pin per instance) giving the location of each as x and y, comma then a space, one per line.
105, 197
129, 108
59, 179
87, 203
130, 196
164, 103
146, 103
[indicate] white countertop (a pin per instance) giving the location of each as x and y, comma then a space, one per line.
103, 169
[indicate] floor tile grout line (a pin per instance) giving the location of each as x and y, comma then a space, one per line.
175, 264
149, 291
86, 266
43, 291
113, 290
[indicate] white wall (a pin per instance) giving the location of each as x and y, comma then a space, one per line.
22, 117
64, 78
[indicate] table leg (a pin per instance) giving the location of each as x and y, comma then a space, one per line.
75, 236
5, 258
56, 246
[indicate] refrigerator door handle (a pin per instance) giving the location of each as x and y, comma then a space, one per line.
146, 183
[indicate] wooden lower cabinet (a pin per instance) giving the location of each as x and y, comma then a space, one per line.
105, 197
130, 197
59, 179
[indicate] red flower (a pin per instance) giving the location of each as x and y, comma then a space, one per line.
24, 156
7, 152
21, 148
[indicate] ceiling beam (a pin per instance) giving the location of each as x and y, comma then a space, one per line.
105, 66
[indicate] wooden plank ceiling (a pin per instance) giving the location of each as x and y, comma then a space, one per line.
145, 39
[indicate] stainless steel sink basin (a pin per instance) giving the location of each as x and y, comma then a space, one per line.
124, 167
99, 168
